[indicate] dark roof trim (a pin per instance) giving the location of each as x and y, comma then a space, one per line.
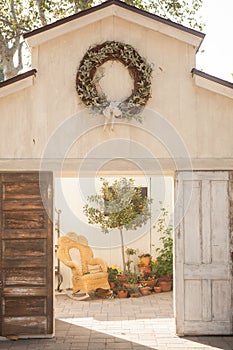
212, 78
118, 3
18, 78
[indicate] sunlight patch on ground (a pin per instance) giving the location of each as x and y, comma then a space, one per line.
153, 332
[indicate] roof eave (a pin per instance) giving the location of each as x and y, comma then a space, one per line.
212, 83
17, 83
114, 8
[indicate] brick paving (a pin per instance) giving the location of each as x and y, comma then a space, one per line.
133, 323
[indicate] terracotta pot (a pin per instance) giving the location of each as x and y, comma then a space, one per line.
149, 283
145, 291
157, 289
112, 284
135, 295
122, 293
166, 286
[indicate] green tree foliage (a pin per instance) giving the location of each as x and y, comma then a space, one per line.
119, 205
20, 16
165, 252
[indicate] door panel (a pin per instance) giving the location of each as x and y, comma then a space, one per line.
203, 285
26, 254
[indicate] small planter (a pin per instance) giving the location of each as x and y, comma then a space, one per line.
112, 284
150, 283
166, 286
122, 293
157, 289
135, 295
145, 291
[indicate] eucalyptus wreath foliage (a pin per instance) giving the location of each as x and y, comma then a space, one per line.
138, 68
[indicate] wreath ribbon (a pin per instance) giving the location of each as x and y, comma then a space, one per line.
112, 110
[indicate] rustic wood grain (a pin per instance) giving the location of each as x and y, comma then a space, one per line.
26, 254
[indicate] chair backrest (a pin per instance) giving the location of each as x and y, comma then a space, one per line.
87, 261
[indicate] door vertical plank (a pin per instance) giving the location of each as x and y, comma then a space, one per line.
206, 224
178, 256
206, 300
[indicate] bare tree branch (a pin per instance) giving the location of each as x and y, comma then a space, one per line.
20, 56
41, 11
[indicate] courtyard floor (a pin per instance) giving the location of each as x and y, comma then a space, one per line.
132, 323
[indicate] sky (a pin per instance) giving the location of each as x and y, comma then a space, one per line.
217, 58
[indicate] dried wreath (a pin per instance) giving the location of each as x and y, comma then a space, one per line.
138, 69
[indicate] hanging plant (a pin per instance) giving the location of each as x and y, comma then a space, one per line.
138, 68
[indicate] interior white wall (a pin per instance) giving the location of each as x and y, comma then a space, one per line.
71, 196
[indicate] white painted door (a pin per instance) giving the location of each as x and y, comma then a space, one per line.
203, 278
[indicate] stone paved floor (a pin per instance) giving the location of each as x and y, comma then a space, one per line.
137, 324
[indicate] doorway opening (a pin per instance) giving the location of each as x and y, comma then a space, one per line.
70, 197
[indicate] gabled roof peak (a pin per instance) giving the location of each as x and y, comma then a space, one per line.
117, 7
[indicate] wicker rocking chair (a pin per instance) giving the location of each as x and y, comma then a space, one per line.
89, 273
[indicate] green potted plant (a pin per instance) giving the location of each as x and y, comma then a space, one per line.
113, 271
134, 292
131, 279
144, 289
122, 291
157, 288
148, 278
165, 252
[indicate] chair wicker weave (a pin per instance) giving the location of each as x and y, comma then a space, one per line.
90, 273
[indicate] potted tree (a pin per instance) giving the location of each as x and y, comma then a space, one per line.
119, 205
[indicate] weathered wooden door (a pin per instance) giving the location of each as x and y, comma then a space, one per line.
203, 285
26, 254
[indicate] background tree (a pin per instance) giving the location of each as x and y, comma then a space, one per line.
20, 16
119, 205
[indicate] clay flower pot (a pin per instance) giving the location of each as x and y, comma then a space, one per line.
112, 284
166, 286
135, 295
145, 291
122, 293
157, 289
